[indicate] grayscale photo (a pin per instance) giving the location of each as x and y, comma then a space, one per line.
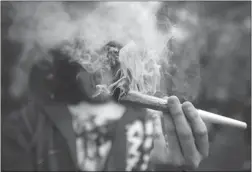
126, 86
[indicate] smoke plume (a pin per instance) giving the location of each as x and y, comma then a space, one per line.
48, 24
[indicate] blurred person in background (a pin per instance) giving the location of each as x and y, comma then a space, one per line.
63, 127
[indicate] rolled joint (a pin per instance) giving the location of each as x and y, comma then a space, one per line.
151, 102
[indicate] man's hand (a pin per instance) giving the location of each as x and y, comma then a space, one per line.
184, 138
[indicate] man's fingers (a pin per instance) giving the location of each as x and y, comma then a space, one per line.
184, 132
160, 152
175, 154
198, 127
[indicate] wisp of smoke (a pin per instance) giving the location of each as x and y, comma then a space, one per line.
50, 24
144, 67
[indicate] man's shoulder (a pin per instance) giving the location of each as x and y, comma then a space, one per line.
27, 110
23, 120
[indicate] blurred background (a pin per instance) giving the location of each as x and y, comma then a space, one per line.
210, 64
218, 45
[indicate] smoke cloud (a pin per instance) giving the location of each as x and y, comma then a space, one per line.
48, 24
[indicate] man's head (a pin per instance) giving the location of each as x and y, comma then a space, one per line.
66, 81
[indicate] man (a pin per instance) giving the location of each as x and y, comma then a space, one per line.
65, 127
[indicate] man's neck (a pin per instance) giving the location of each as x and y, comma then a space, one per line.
106, 111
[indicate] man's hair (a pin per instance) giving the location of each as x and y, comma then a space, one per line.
114, 44
57, 79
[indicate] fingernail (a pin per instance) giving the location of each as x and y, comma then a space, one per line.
187, 106
173, 100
